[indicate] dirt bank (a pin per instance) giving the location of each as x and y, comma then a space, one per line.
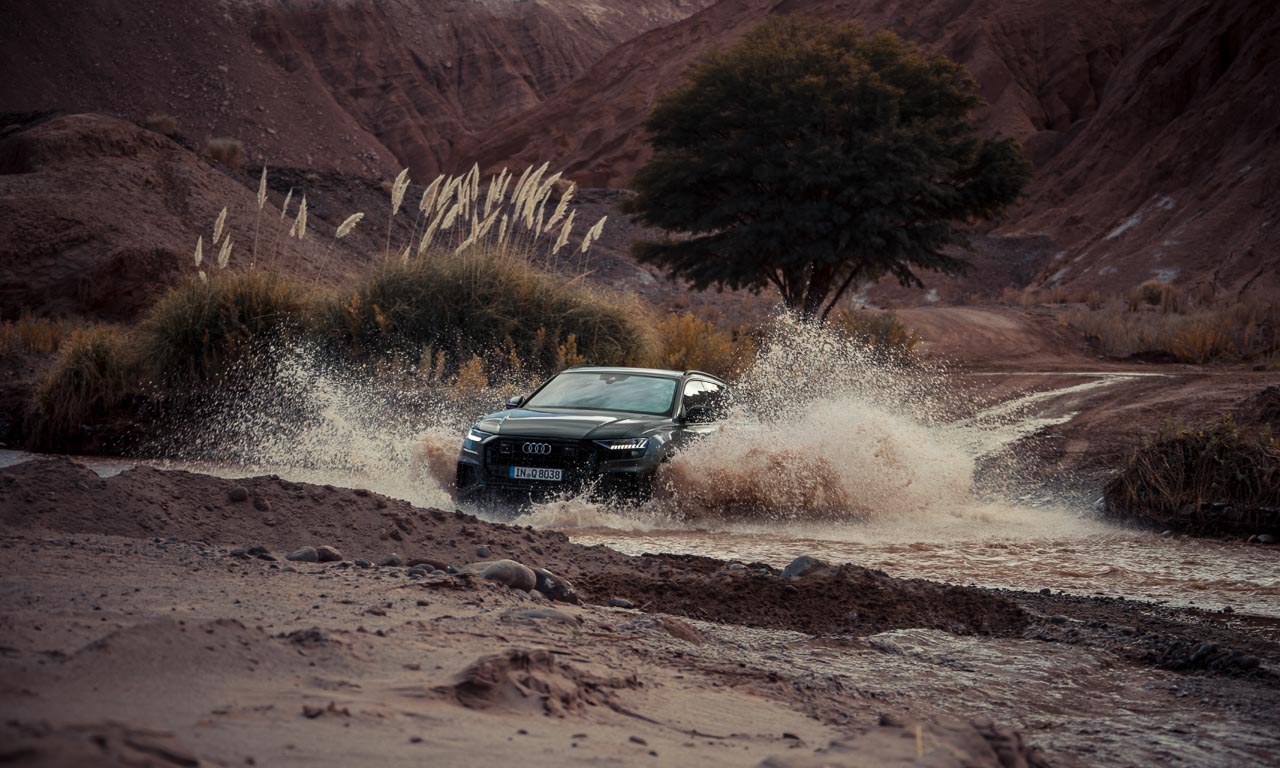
135, 627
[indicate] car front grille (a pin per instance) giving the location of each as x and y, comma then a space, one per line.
536, 452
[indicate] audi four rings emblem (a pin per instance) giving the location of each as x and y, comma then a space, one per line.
540, 449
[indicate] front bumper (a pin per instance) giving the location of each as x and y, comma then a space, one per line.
485, 472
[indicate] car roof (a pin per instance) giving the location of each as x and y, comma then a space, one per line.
640, 371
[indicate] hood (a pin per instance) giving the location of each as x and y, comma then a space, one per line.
568, 426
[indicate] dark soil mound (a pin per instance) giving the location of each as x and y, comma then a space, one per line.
60, 496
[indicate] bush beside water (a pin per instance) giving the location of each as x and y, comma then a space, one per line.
1223, 479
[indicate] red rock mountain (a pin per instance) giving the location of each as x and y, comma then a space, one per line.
1154, 125
361, 87
1041, 64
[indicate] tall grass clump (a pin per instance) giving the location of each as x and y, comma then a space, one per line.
1221, 479
162, 123
883, 334
34, 335
204, 325
1167, 325
97, 370
228, 152
488, 304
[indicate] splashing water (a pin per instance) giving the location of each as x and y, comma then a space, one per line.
835, 455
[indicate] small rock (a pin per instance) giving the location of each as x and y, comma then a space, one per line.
261, 504
328, 554
483, 552
1046, 591
506, 572
362, 563
620, 602
803, 566
1266, 538
417, 573
238, 493
392, 560
304, 555
1166, 534
1058, 619
735, 567
555, 587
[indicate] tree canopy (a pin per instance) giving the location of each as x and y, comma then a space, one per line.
814, 157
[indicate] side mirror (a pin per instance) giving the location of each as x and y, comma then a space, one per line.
516, 401
699, 414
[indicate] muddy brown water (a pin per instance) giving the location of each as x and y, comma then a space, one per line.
907, 483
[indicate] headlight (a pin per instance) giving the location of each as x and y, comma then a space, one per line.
626, 444
473, 439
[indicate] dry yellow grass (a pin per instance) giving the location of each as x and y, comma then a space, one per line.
1165, 324
162, 123
687, 342
227, 151
36, 335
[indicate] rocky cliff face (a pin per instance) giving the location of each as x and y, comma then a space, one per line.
1177, 177
356, 87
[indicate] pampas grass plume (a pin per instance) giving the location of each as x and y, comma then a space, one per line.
349, 224
218, 224
301, 221
262, 189
224, 255
398, 189
199, 250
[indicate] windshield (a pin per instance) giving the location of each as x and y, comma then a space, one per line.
606, 392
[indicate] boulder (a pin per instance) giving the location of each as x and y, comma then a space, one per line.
506, 572
803, 566
555, 587
328, 554
304, 555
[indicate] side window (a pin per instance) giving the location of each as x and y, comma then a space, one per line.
693, 393
716, 398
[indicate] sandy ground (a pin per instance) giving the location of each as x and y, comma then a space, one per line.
131, 629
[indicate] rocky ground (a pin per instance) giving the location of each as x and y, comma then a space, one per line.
155, 618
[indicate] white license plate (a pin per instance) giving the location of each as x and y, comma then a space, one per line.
537, 473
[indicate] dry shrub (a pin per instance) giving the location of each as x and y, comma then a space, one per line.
1184, 333
688, 342
32, 335
97, 370
883, 333
486, 304
1222, 479
162, 123
1156, 293
198, 329
228, 152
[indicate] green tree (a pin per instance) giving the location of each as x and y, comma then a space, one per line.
813, 157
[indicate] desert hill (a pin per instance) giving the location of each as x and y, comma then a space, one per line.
356, 87
1154, 126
